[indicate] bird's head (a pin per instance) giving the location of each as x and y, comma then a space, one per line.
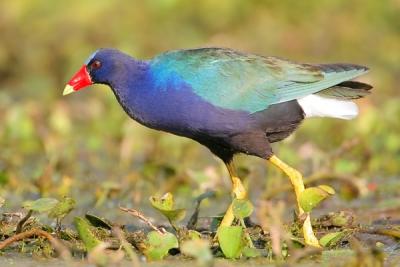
100, 67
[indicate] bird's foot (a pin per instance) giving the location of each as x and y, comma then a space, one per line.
309, 237
297, 181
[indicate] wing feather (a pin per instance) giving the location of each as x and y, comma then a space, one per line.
235, 80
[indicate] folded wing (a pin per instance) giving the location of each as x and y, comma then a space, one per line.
234, 80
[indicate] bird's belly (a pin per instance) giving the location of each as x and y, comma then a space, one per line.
186, 114
280, 120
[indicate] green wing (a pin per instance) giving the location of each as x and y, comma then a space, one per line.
248, 82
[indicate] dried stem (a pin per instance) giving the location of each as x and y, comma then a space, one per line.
140, 215
21, 223
62, 251
382, 231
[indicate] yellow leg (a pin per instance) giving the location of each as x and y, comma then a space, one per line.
297, 181
238, 192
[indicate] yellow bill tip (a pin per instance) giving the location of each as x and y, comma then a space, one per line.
68, 89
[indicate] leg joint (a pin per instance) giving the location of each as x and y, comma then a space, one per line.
238, 188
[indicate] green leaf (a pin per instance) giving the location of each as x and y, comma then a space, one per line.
327, 189
198, 249
249, 252
230, 239
41, 204
166, 202
62, 208
97, 221
174, 215
193, 235
242, 208
184, 235
331, 239
312, 196
341, 219
88, 238
165, 205
158, 245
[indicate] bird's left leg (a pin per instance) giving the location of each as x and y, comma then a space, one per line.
238, 192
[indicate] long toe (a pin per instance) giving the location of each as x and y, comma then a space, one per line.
309, 237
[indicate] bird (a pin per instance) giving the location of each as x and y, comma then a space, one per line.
230, 101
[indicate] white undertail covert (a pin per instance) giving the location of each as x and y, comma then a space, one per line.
317, 106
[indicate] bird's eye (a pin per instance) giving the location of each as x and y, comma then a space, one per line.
95, 65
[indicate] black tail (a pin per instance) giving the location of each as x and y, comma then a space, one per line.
347, 90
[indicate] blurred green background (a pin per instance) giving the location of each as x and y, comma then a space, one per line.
85, 146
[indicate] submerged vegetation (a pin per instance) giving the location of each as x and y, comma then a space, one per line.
79, 180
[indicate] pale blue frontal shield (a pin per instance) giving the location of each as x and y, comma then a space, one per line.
91, 57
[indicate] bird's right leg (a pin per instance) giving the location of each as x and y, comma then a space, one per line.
297, 181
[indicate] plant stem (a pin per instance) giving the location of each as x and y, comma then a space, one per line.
58, 246
140, 215
21, 223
